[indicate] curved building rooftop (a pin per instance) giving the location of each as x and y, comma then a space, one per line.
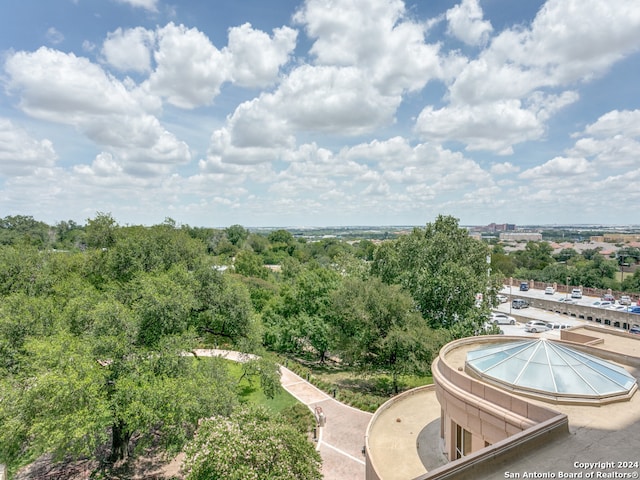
544, 368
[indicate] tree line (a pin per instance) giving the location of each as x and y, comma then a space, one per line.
589, 268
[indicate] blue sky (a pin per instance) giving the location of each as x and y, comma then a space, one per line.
320, 112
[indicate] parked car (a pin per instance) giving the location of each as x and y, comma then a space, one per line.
617, 308
535, 326
502, 298
576, 293
558, 326
635, 330
524, 286
502, 319
567, 300
519, 303
633, 309
625, 300
549, 291
601, 304
609, 298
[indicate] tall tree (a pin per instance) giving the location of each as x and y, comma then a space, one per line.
443, 269
250, 264
535, 256
163, 304
74, 393
237, 234
23, 230
377, 329
101, 231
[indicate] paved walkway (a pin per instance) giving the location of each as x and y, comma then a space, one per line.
341, 440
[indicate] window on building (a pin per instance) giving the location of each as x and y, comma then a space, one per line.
463, 442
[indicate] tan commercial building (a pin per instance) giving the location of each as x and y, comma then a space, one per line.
517, 407
520, 236
616, 238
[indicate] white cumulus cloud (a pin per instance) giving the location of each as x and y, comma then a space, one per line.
256, 57
151, 5
63, 88
466, 23
129, 50
20, 153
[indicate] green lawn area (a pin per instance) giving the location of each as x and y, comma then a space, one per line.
360, 391
375, 384
252, 393
364, 392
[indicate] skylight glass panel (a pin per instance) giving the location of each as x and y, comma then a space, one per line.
546, 366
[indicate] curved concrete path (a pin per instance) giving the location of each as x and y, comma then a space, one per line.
341, 440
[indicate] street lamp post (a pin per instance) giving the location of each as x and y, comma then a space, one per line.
510, 294
489, 301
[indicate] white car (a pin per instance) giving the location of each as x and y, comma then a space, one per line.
502, 298
549, 291
558, 326
576, 293
502, 319
601, 304
535, 326
567, 301
618, 308
625, 300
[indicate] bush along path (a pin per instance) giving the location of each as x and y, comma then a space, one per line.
341, 428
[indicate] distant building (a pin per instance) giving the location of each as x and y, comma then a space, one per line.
520, 236
501, 227
495, 227
616, 238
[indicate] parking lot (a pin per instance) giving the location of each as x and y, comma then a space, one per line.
525, 314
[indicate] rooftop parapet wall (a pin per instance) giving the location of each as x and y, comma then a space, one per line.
374, 464
627, 352
478, 464
511, 424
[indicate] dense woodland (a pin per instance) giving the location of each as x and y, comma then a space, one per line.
95, 321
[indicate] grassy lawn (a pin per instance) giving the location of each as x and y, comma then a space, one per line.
252, 393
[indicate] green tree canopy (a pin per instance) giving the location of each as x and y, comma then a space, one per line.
236, 234
535, 256
377, 329
251, 444
23, 230
443, 269
250, 264
72, 395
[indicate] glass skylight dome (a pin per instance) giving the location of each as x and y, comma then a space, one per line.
544, 368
